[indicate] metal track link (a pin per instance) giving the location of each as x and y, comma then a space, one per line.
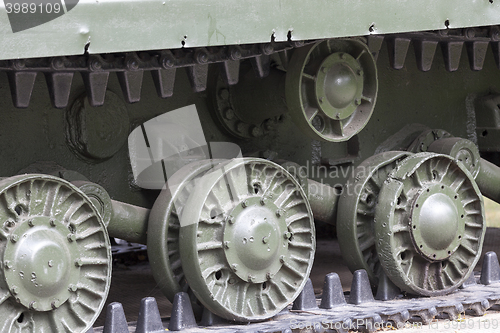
130, 67
451, 42
332, 312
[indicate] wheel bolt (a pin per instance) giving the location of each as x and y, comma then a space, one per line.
282, 259
132, 64
250, 278
234, 267
269, 124
263, 201
55, 304
257, 131
229, 114
50, 263
240, 127
226, 244
71, 238
31, 223
33, 305
10, 223
7, 264
79, 263
279, 212
224, 93
268, 276
244, 204
72, 288
96, 65
265, 239
14, 238
235, 54
287, 235
52, 222
14, 290
230, 219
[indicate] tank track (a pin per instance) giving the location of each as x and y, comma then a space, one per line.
332, 312
130, 67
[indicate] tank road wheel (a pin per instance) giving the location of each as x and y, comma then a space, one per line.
356, 214
429, 224
331, 88
56, 256
163, 228
247, 240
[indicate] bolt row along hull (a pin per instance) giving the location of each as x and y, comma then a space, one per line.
45, 28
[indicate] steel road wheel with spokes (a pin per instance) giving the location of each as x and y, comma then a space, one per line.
56, 256
247, 239
331, 88
163, 227
429, 224
356, 212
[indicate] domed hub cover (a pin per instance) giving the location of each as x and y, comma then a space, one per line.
255, 237
56, 256
436, 222
42, 263
339, 85
430, 224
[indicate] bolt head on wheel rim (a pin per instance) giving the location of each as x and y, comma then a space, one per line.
56, 256
247, 240
429, 224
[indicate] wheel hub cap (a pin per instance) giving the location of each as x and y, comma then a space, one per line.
339, 85
436, 229
252, 242
39, 256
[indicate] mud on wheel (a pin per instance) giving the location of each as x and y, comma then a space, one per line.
429, 225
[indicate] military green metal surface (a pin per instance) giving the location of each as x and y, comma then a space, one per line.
130, 25
252, 109
99, 197
97, 133
331, 89
462, 150
426, 138
247, 242
488, 180
429, 225
356, 212
56, 256
163, 228
323, 200
429, 77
